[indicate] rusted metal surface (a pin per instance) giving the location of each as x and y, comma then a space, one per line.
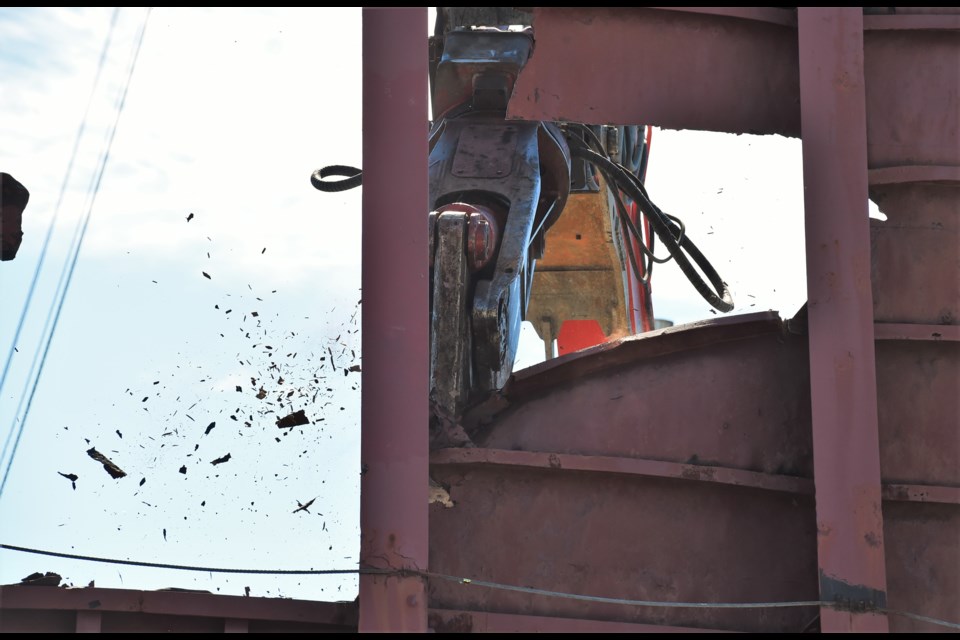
916, 253
913, 94
610, 536
623, 466
894, 331
919, 410
923, 553
580, 276
454, 621
633, 470
921, 493
879, 100
840, 320
651, 80
54, 609
393, 513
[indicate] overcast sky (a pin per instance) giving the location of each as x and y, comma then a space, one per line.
228, 112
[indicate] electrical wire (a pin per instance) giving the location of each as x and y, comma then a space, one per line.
72, 260
53, 223
489, 585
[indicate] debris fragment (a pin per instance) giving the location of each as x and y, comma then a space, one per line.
220, 460
239, 389
295, 419
143, 481
114, 471
354, 368
164, 535
183, 469
206, 275
261, 394
119, 434
72, 477
48, 579
190, 217
303, 507
210, 428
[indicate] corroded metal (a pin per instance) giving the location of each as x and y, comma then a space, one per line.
396, 352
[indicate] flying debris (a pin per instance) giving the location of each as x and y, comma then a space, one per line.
295, 419
304, 507
72, 477
220, 460
210, 428
114, 471
189, 217
206, 275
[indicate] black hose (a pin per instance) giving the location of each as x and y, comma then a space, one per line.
667, 227
353, 176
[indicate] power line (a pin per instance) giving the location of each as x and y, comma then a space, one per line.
53, 223
72, 261
179, 567
489, 585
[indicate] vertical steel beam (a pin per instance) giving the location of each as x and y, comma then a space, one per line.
394, 454
842, 369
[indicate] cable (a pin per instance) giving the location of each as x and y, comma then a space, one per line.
667, 227
76, 253
53, 222
483, 583
160, 565
354, 177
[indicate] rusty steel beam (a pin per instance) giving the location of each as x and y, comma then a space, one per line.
684, 69
846, 462
393, 485
622, 466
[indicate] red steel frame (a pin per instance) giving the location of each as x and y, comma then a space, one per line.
847, 474
846, 448
393, 487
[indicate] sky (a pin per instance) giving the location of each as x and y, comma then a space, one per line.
228, 112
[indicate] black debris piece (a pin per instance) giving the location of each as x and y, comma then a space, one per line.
254, 314
295, 419
119, 434
355, 368
303, 507
144, 398
143, 481
157, 382
220, 460
206, 275
189, 217
164, 535
48, 579
264, 251
183, 469
210, 428
72, 477
114, 471
239, 389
